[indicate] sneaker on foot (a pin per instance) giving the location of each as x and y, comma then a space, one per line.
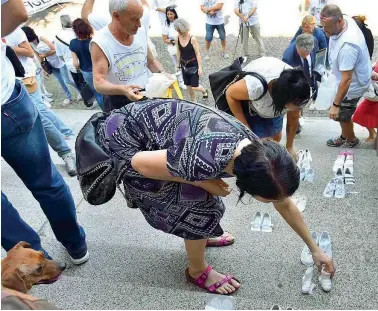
67, 102
70, 162
80, 257
336, 142
351, 144
182, 85
225, 56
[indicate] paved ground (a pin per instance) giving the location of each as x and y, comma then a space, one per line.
133, 266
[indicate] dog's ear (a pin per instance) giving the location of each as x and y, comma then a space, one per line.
13, 280
22, 244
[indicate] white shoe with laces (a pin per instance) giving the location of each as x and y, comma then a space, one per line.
67, 102
340, 188
324, 242
325, 280
306, 255
256, 222
329, 190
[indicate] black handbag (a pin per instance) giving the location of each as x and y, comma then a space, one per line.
189, 71
46, 66
19, 70
221, 80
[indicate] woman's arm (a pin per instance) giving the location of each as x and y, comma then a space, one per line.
75, 60
166, 39
50, 45
291, 129
13, 14
24, 49
153, 165
178, 54
198, 55
293, 217
234, 95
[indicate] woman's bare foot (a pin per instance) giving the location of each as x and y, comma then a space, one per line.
226, 236
215, 277
370, 140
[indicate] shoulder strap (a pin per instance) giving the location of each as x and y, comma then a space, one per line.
261, 79
62, 41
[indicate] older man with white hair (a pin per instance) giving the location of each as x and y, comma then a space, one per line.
350, 62
122, 60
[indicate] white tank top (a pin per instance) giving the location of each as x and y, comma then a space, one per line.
127, 64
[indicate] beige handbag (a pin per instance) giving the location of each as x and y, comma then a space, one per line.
30, 84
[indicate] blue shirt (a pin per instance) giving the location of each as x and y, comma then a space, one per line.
81, 49
318, 34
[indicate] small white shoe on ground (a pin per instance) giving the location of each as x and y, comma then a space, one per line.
324, 242
325, 280
70, 163
310, 175
340, 188
307, 285
329, 190
225, 56
266, 224
302, 174
308, 154
306, 255
339, 163
348, 176
256, 222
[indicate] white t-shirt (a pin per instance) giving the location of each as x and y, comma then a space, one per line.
162, 4
247, 7
270, 68
62, 50
14, 39
216, 19
171, 32
43, 48
127, 64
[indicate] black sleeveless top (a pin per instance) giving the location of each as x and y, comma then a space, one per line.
187, 53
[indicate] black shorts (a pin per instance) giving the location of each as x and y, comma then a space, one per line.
191, 80
347, 109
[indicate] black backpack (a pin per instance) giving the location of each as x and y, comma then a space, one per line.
13, 58
221, 80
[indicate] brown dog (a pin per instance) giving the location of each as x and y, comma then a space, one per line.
24, 267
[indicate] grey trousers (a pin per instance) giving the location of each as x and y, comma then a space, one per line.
255, 32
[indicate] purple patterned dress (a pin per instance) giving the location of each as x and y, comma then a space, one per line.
200, 143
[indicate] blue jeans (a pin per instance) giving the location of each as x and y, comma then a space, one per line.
54, 127
265, 127
63, 77
88, 77
210, 32
25, 149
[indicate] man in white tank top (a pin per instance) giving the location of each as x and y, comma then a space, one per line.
122, 60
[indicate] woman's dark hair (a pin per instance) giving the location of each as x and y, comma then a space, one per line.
30, 34
173, 10
291, 87
265, 168
82, 29
360, 20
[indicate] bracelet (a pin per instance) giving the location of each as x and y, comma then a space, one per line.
338, 106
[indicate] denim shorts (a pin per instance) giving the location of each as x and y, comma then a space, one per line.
265, 127
210, 32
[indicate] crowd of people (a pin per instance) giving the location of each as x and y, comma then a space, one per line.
171, 155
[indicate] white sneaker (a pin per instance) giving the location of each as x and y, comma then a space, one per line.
307, 285
266, 224
47, 104
340, 188
79, 98
329, 190
301, 155
256, 222
325, 280
225, 56
67, 102
47, 99
207, 57
306, 255
324, 242
302, 173
70, 162
182, 85
339, 163
348, 176
308, 154
310, 175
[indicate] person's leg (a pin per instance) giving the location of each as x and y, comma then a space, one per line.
191, 94
209, 37
222, 37
67, 77
245, 36
25, 149
14, 229
55, 138
347, 130
372, 135
88, 77
255, 31
195, 250
58, 75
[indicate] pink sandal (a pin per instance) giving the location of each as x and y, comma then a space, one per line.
201, 281
222, 242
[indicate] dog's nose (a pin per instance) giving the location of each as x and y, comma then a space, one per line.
62, 265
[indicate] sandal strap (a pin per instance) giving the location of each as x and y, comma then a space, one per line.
226, 279
201, 280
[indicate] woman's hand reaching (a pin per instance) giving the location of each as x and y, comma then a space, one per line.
216, 187
320, 259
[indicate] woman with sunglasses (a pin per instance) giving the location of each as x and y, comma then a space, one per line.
287, 92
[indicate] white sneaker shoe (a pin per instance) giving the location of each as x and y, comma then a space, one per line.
308, 154
306, 255
301, 156
329, 190
182, 85
307, 285
225, 56
70, 162
266, 224
325, 280
340, 188
348, 176
256, 222
47, 99
310, 175
339, 163
67, 102
324, 242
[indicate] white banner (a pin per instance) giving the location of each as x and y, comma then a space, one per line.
34, 6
